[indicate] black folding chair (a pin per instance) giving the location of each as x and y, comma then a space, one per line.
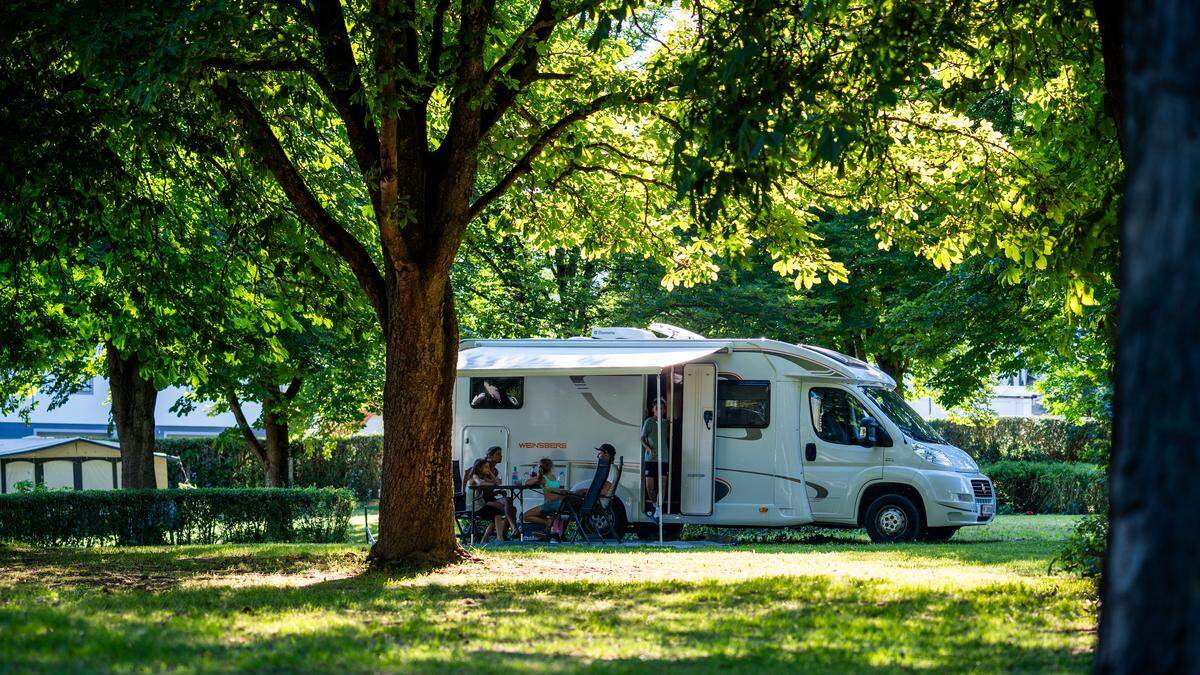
463, 519
581, 510
603, 518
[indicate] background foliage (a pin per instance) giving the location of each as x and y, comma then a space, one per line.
1030, 439
354, 463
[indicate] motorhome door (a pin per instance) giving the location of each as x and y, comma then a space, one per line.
477, 440
699, 430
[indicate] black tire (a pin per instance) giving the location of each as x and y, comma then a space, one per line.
622, 525
599, 523
892, 519
933, 534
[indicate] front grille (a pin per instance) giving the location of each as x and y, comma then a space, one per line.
982, 488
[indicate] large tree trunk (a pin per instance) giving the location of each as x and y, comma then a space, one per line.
1150, 620
133, 401
416, 523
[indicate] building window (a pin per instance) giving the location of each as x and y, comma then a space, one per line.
744, 404
497, 393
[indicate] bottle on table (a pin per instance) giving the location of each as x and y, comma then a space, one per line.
515, 477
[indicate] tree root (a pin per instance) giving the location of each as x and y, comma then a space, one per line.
410, 562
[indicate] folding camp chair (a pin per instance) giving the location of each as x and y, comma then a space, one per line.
601, 520
584, 510
462, 513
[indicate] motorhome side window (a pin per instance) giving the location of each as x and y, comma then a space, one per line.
744, 404
835, 415
497, 393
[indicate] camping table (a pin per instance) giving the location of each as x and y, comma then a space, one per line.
518, 490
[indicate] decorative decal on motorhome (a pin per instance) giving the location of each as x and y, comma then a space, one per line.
760, 473
542, 445
721, 489
581, 387
822, 493
752, 434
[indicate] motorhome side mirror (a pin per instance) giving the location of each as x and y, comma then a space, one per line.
869, 432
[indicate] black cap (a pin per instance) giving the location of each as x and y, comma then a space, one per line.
608, 449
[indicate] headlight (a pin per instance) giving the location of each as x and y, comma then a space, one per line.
932, 455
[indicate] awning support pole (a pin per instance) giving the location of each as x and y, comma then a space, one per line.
670, 429
658, 447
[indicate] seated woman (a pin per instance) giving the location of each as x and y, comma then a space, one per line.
550, 487
484, 501
494, 456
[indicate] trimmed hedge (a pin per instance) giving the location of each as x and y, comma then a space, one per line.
186, 516
1034, 439
1049, 487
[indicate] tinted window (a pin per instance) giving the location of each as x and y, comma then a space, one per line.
497, 393
836, 415
743, 403
905, 417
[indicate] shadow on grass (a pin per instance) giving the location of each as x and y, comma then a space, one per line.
373, 622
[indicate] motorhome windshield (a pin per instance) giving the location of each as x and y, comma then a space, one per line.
904, 416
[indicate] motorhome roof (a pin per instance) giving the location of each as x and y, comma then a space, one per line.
538, 355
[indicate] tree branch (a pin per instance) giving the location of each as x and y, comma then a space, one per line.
293, 388
525, 164
236, 407
264, 142
609, 147
525, 57
433, 68
574, 167
348, 94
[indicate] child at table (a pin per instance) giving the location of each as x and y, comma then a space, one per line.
544, 479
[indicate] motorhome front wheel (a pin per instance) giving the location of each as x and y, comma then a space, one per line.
892, 518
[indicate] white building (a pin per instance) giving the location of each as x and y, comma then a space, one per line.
88, 414
1012, 396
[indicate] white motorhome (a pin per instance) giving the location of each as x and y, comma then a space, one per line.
760, 433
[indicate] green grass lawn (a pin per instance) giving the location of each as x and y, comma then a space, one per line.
984, 601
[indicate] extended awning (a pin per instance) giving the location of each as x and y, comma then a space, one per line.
570, 360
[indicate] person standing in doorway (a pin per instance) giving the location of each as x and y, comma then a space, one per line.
654, 466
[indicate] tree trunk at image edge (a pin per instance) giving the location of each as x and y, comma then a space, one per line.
133, 401
1150, 616
415, 525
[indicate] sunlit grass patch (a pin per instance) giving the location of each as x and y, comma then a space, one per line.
836, 606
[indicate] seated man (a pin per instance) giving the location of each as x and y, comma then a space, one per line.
605, 455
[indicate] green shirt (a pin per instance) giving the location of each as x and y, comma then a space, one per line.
650, 437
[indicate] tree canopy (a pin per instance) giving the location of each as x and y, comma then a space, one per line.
395, 129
